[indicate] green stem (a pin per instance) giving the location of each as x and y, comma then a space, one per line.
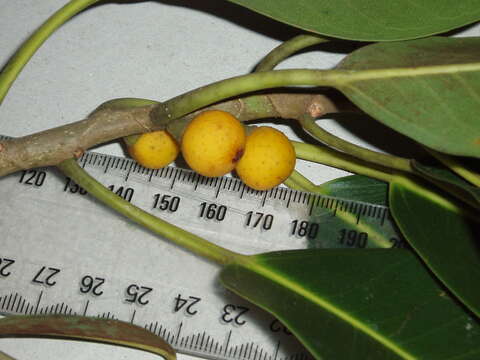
288, 48
289, 182
340, 79
346, 162
452, 163
296, 180
339, 160
125, 103
343, 161
173, 233
385, 160
302, 183
181, 105
26, 51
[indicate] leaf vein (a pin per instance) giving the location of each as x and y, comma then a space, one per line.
467, 86
307, 294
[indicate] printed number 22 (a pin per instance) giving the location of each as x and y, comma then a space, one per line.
4, 264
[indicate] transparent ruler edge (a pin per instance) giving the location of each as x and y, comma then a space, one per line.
128, 167
230, 184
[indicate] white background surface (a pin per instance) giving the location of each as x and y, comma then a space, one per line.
153, 50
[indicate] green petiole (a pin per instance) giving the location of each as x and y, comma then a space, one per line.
339, 160
385, 160
454, 165
287, 49
185, 239
29, 47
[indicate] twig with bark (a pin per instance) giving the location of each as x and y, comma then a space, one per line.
109, 122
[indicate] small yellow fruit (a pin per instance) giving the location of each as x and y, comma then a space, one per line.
269, 158
213, 142
154, 150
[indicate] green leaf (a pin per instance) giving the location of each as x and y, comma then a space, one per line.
333, 231
371, 20
444, 237
84, 328
358, 188
427, 89
450, 182
358, 304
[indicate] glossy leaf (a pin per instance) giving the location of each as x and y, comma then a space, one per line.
357, 187
334, 232
84, 328
344, 232
444, 238
358, 304
373, 20
449, 181
429, 90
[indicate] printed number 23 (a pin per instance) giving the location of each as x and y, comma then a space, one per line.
234, 313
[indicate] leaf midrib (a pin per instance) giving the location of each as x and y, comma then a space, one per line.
352, 76
285, 282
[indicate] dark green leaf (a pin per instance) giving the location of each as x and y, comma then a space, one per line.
372, 20
345, 229
84, 328
427, 89
448, 180
445, 238
358, 188
358, 304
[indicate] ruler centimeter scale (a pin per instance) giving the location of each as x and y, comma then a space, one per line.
62, 252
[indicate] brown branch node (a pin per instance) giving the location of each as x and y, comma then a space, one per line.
77, 154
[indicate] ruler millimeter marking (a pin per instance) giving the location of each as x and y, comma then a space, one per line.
64, 253
172, 174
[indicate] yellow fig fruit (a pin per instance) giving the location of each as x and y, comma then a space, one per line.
269, 158
213, 142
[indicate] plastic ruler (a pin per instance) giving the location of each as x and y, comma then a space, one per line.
62, 252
